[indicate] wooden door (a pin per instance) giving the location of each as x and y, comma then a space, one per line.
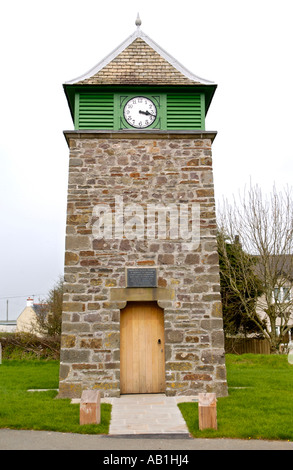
142, 348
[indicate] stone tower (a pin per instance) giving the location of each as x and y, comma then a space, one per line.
142, 306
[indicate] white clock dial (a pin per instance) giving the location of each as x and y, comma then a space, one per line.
140, 112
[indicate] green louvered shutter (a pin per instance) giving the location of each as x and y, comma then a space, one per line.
185, 112
96, 111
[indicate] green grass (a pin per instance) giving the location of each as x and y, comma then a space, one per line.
21, 409
260, 401
259, 405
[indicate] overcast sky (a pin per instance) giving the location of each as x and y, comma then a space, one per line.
243, 46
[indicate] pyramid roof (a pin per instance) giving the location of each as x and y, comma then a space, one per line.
139, 61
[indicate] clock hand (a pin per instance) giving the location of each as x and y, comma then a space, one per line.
147, 113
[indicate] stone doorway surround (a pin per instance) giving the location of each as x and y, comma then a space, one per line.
120, 296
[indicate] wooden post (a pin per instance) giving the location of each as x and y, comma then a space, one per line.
207, 411
90, 407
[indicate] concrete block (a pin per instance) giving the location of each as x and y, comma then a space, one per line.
90, 408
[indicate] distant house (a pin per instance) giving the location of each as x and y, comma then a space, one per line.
279, 272
281, 297
274, 307
28, 319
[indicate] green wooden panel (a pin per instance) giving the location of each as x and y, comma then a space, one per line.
184, 112
176, 111
95, 111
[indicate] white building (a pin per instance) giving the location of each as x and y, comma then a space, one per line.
27, 320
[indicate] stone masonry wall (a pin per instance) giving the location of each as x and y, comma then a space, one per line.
150, 168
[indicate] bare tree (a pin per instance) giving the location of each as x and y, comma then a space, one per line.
240, 288
264, 225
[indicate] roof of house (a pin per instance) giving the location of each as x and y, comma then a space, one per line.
278, 266
140, 61
38, 308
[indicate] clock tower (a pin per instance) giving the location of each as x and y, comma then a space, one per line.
142, 305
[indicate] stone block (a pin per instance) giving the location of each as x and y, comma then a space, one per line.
75, 162
174, 336
73, 307
77, 219
69, 390
68, 341
70, 356
71, 259
90, 407
91, 343
78, 242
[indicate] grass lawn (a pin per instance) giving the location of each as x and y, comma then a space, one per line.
260, 401
259, 405
20, 409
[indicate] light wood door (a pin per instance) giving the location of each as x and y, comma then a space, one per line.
142, 348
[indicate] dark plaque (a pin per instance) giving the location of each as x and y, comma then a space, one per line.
141, 277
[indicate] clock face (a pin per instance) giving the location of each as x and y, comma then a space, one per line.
140, 112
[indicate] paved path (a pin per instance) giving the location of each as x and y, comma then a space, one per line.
147, 414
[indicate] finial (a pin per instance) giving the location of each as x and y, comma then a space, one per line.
138, 21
